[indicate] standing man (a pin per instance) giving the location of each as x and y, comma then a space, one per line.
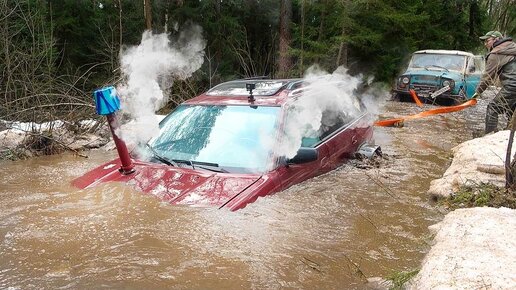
500, 64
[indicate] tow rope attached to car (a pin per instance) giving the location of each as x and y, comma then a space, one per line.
399, 122
415, 98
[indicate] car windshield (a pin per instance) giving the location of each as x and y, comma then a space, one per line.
434, 61
233, 138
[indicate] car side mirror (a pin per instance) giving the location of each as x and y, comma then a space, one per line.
471, 69
304, 155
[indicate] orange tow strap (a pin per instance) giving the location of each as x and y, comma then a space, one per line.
415, 98
398, 122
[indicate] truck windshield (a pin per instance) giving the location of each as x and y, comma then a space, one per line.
434, 61
236, 138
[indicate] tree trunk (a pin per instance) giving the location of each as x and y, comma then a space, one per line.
148, 14
120, 40
472, 20
284, 61
301, 56
217, 6
321, 25
342, 56
510, 166
6, 36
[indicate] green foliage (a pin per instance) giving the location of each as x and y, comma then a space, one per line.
88, 36
78, 42
400, 278
321, 35
482, 194
384, 32
240, 42
74, 26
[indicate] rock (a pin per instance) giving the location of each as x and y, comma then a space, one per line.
10, 139
476, 161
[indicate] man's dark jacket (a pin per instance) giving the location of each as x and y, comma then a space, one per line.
500, 63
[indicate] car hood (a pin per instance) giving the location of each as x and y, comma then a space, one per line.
455, 75
172, 184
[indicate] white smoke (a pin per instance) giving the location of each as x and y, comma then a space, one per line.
325, 97
148, 69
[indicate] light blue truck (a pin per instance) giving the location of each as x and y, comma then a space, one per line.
441, 76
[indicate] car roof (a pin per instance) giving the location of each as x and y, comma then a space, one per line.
443, 51
266, 92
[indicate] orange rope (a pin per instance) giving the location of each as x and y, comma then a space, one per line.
415, 98
398, 122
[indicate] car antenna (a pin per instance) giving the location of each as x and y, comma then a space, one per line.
250, 87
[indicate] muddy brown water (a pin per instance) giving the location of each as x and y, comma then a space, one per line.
331, 232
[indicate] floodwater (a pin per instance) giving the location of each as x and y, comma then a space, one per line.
331, 232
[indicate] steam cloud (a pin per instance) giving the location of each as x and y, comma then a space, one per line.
148, 69
332, 94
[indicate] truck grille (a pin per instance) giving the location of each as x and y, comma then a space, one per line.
424, 88
424, 78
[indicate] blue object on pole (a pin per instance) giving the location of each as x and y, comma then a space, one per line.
106, 101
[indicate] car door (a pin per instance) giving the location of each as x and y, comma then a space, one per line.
291, 174
473, 74
339, 136
342, 144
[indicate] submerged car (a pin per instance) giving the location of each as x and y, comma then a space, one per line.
447, 76
219, 148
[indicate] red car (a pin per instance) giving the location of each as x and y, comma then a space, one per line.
220, 148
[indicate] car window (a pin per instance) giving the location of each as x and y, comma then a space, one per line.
479, 64
475, 65
438, 61
331, 122
237, 138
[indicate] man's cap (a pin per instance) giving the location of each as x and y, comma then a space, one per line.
495, 34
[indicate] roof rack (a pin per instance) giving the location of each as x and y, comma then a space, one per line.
258, 78
262, 87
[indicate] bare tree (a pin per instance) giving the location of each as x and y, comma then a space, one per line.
498, 11
120, 29
285, 39
302, 53
32, 88
342, 56
510, 166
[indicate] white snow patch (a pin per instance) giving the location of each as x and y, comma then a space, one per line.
474, 249
476, 161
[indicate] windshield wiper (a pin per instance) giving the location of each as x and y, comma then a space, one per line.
174, 162
211, 167
204, 165
160, 158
